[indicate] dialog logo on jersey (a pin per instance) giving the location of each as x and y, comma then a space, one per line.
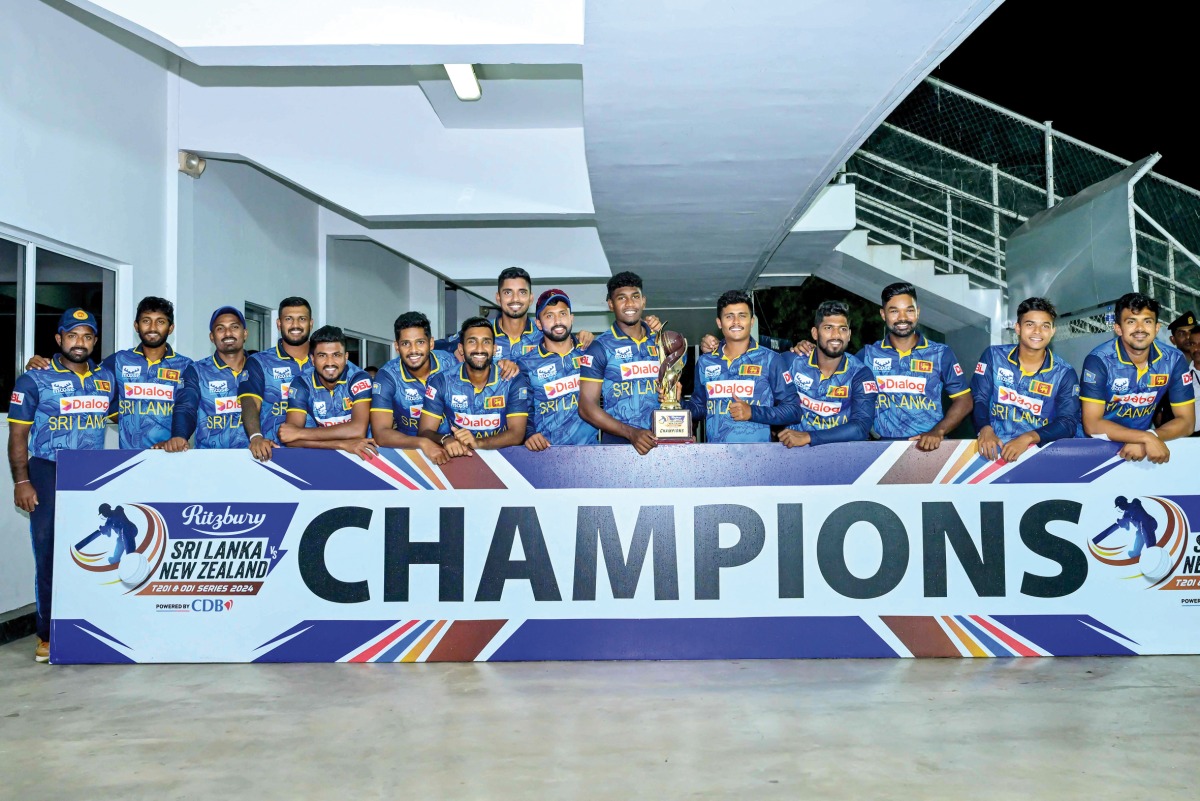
229, 405
822, 408
1138, 399
631, 371
477, 422
158, 392
184, 549
725, 390
83, 404
561, 386
901, 384
1011, 397
1147, 538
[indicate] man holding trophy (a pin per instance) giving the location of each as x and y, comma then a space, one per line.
619, 385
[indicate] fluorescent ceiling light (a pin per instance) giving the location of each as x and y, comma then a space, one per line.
462, 78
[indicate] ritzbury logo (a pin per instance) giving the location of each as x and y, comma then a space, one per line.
185, 548
1150, 538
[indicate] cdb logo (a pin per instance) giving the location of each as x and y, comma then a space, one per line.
211, 605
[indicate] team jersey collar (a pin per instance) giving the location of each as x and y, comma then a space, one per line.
497, 332
1047, 361
886, 344
618, 335
169, 353
1155, 353
341, 379
721, 350
546, 354
221, 365
56, 363
495, 376
434, 367
842, 365
284, 355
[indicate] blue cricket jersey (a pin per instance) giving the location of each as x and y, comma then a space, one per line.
1129, 395
66, 410
208, 405
911, 384
840, 408
1013, 402
403, 395
329, 407
628, 371
269, 376
452, 398
506, 347
145, 395
554, 384
760, 377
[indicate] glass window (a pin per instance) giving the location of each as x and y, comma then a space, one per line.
377, 353
62, 283
11, 257
258, 326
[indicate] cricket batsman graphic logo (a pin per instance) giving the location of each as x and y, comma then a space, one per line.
1134, 540
119, 550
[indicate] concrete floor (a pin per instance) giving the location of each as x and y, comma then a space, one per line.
878, 729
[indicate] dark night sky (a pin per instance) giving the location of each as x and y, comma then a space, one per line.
1120, 80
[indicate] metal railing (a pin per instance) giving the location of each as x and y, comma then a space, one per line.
949, 176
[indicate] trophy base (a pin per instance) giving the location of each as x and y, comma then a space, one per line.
672, 426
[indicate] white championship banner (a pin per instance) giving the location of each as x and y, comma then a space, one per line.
868, 549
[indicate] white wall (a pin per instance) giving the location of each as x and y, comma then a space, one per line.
83, 164
367, 287
244, 236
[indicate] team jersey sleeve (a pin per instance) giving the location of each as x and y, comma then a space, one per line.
1067, 412
187, 405
449, 345
786, 408
1180, 390
24, 402
298, 396
697, 402
953, 379
360, 388
863, 393
594, 361
1094, 384
981, 391
518, 402
255, 383
435, 401
110, 365
383, 394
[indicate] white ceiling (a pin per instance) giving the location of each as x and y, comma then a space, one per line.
272, 23
678, 139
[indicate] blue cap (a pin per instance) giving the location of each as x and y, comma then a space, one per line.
226, 310
76, 317
549, 297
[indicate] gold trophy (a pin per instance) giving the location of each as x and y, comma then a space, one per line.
672, 423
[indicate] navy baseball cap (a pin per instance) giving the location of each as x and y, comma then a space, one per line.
76, 317
551, 296
226, 310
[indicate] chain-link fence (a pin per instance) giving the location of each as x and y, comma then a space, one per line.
950, 175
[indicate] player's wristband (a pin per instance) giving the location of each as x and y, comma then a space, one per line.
255, 434
445, 437
22, 481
